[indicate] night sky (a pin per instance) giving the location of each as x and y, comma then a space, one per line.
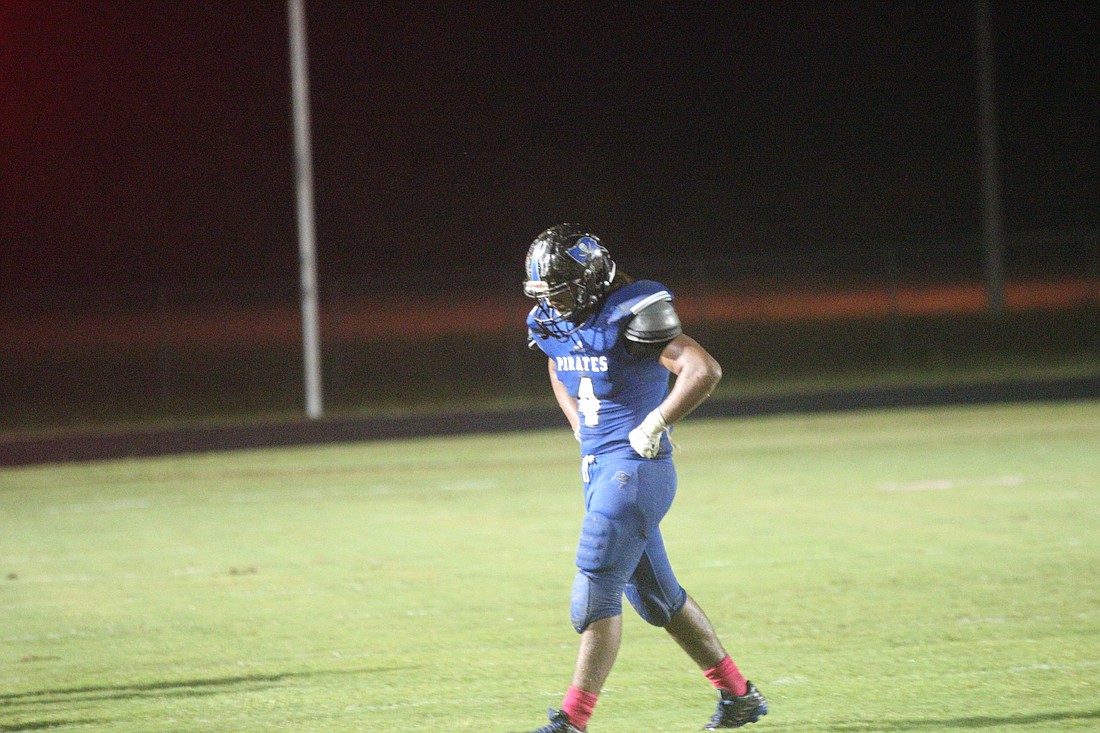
150, 142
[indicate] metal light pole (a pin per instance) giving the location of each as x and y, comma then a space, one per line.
307, 240
992, 211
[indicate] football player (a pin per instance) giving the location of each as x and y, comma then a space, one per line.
611, 343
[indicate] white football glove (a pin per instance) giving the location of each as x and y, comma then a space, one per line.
646, 438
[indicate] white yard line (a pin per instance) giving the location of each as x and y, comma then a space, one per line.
947, 484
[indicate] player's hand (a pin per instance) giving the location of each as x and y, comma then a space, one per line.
646, 438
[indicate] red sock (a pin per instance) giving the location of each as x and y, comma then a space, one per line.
578, 705
726, 676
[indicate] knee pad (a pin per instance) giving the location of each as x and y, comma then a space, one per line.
605, 550
594, 597
654, 606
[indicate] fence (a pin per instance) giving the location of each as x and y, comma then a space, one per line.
142, 355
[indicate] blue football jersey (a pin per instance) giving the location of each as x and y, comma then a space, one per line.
614, 390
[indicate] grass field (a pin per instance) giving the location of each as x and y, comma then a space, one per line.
918, 570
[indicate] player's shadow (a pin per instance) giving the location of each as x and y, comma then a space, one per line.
168, 688
976, 722
46, 725
175, 688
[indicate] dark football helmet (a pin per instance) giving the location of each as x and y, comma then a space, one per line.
568, 273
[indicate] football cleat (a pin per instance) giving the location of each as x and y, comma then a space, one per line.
559, 723
735, 711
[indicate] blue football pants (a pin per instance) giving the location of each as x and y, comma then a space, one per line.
621, 549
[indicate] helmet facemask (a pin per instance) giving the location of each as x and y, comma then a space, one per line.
568, 273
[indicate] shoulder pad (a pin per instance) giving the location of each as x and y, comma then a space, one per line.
656, 323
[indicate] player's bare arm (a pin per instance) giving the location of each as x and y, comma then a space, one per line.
697, 374
566, 401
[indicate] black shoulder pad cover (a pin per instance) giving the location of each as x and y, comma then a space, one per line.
657, 323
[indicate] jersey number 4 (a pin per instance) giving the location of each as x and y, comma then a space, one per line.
588, 404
